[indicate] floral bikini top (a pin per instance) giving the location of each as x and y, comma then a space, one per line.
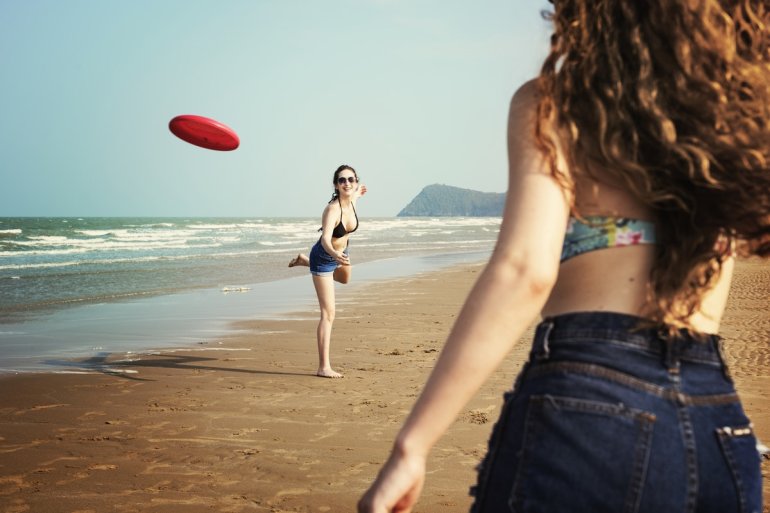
599, 232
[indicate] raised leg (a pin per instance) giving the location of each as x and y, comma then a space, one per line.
342, 273
300, 259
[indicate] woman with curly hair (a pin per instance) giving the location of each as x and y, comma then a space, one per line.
639, 169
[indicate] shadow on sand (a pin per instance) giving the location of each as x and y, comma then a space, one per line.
126, 368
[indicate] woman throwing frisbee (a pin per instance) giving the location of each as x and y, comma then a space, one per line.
329, 258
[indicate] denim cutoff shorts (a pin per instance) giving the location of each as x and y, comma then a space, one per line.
321, 262
607, 418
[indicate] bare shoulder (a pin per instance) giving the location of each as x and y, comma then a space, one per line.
332, 208
334, 204
524, 102
527, 92
522, 124
522, 119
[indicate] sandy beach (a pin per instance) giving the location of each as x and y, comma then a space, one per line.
242, 424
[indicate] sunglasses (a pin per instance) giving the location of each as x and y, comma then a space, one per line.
350, 179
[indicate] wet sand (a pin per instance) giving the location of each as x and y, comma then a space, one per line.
242, 424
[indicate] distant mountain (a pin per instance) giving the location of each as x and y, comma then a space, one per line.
447, 201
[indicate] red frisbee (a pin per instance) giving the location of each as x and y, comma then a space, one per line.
204, 132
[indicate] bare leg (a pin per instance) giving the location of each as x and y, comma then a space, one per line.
300, 259
342, 273
324, 288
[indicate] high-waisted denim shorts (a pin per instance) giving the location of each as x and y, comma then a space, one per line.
321, 262
605, 417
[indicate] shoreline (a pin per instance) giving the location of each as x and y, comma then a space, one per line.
59, 340
50, 264
242, 424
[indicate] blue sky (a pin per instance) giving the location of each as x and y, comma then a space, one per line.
409, 92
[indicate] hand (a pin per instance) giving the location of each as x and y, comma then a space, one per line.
360, 191
342, 258
397, 487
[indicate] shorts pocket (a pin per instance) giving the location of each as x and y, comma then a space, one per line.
581, 455
478, 491
739, 447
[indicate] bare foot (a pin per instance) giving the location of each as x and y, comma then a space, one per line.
328, 373
299, 260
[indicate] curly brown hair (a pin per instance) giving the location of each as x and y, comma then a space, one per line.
673, 98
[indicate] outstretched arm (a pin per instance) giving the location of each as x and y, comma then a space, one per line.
506, 299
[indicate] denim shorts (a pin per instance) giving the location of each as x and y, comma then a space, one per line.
321, 262
607, 417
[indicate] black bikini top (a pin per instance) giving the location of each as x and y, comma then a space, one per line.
340, 230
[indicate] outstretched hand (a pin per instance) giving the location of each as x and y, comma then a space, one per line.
397, 487
360, 191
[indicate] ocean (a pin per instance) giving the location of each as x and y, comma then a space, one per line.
78, 288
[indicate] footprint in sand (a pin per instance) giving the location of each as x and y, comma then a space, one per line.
328, 433
307, 465
291, 491
104, 466
355, 469
12, 484
249, 452
40, 408
17, 506
87, 415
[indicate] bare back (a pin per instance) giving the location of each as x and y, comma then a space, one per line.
617, 279
613, 279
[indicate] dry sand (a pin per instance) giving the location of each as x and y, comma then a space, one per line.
242, 424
